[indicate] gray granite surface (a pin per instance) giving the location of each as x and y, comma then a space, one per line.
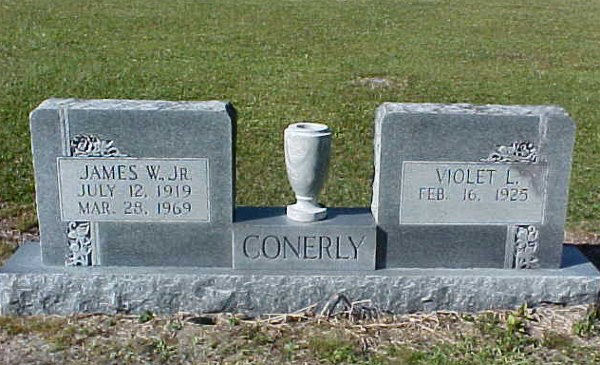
443, 228
114, 142
122, 104
28, 287
463, 108
266, 238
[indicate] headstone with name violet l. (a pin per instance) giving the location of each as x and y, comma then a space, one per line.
471, 186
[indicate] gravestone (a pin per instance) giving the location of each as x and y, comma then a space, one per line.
462, 186
134, 183
462, 195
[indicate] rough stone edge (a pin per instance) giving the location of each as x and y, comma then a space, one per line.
489, 109
112, 291
379, 116
123, 104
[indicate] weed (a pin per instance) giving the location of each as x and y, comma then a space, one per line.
334, 348
163, 350
467, 317
400, 355
26, 222
6, 250
255, 334
25, 325
487, 323
60, 343
146, 316
198, 340
233, 321
510, 338
13, 325
175, 325
13, 210
515, 324
558, 341
589, 325
289, 350
488, 339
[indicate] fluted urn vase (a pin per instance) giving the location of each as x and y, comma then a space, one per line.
307, 148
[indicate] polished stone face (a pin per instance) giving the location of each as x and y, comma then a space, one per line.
134, 189
471, 193
134, 183
266, 238
471, 186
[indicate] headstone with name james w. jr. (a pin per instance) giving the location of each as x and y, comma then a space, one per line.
463, 186
136, 183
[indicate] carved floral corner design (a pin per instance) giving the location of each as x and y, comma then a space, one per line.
79, 234
526, 246
89, 145
520, 151
79, 239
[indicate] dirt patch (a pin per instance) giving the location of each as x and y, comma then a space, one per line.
18, 223
577, 236
525, 335
375, 83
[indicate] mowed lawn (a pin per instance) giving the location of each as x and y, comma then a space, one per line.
283, 61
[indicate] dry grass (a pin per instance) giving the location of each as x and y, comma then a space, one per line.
18, 224
543, 335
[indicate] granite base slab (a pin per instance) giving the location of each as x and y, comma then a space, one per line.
28, 287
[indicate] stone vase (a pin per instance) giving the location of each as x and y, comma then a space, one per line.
307, 148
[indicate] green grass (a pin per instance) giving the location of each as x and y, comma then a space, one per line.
285, 61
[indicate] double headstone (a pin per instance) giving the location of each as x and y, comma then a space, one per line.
136, 183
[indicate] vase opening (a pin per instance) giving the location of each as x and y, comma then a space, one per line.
308, 127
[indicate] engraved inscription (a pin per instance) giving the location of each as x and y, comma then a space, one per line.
134, 189
305, 247
471, 193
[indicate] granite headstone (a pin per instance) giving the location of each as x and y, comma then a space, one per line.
134, 183
462, 186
